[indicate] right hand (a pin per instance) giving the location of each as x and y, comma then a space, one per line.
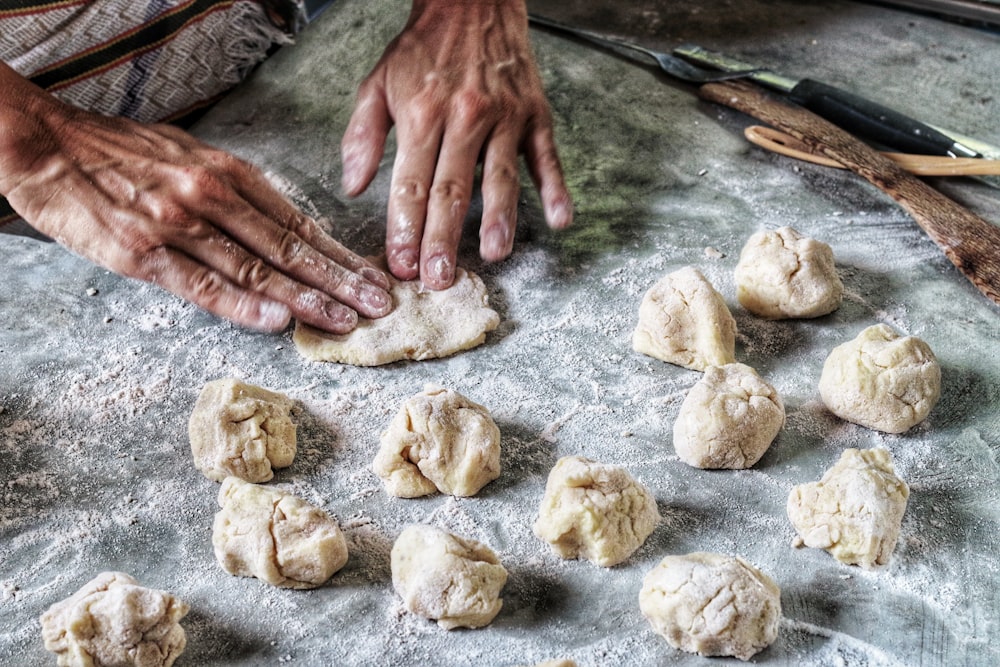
154, 203
461, 86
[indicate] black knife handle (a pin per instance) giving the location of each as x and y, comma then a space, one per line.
870, 120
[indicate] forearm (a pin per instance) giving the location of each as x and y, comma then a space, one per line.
455, 19
26, 112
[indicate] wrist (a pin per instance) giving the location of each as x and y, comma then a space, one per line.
468, 10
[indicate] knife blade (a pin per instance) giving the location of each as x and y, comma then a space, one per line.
673, 65
986, 150
851, 112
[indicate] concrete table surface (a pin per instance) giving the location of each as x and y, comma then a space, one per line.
99, 373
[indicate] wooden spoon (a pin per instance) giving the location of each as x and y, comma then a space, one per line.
922, 165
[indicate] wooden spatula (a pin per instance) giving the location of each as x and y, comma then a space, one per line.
971, 243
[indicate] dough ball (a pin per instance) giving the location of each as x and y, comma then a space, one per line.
450, 579
114, 622
728, 419
855, 511
425, 324
241, 430
275, 536
684, 321
783, 274
712, 604
881, 380
595, 511
439, 441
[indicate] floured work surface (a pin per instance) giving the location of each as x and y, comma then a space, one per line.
96, 472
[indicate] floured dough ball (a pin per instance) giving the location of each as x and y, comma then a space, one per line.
855, 511
439, 441
712, 604
242, 430
424, 324
881, 380
595, 511
684, 321
275, 536
114, 622
782, 274
447, 578
728, 419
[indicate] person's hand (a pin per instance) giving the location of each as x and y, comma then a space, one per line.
152, 202
461, 86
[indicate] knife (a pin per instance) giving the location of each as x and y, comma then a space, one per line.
852, 112
855, 113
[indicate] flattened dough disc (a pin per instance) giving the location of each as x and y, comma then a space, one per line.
425, 324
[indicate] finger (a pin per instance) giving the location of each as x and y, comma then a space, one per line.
195, 282
364, 139
543, 162
259, 192
218, 256
418, 139
500, 191
282, 248
450, 193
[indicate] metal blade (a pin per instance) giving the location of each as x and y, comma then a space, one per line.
671, 64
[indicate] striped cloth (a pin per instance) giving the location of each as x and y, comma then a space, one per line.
149, 60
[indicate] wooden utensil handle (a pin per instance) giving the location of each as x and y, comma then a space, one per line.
971, 243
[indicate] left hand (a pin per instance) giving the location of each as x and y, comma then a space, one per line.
461, 86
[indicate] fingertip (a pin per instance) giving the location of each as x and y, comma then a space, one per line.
404, 263
358, 169
374, 302
559, 211
339, 319
496, 241
363, 142
438, 272
272, 316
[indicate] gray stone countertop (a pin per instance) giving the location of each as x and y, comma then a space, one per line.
99, 373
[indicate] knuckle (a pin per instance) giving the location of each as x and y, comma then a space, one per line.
449, 190
168, 212
423, 117
471, 107
254, 274
205, 286
505, 174
411, 191
290, 247
198, 181
302, 226
137, 243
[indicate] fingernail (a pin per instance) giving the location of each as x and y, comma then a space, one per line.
273, 316
440, 270
559, 214
342, 319
377, 301
496, 243
407, 259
